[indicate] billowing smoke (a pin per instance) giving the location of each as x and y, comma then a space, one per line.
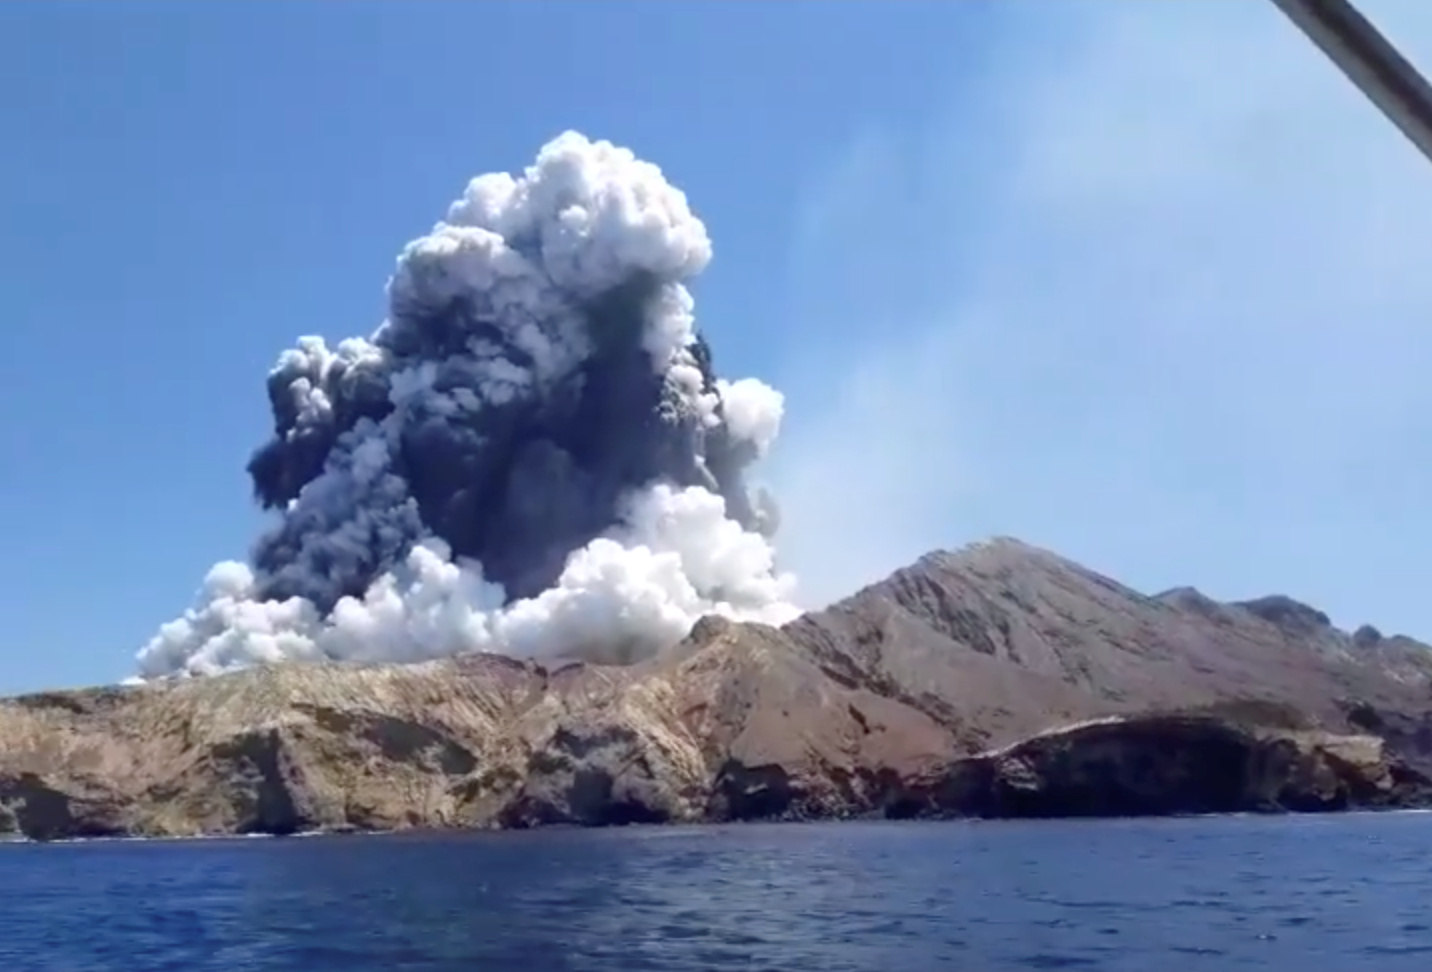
531, 454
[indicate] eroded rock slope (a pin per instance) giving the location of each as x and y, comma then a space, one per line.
1000, 680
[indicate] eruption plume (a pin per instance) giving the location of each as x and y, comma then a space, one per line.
531, 454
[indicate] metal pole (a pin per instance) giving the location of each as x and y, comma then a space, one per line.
1370, 61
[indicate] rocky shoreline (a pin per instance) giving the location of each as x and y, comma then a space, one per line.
326, 770
1125, 767
999, 682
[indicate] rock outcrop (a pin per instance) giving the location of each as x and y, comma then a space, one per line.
1002, 640
997, 681
1175, 764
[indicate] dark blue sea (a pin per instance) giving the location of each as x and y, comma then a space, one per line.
1312, 894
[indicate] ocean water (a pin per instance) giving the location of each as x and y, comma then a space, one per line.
1314, 894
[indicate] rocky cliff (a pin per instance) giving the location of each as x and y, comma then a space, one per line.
997, 681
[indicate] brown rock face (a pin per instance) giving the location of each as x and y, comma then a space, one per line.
964, 684
1152, 765
1003, 640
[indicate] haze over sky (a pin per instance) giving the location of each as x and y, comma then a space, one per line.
1143, 283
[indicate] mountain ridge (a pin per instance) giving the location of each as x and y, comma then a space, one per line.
1011, 619
998, 679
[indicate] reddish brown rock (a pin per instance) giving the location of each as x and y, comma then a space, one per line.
964, 684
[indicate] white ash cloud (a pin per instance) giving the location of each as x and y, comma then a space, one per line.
531, 454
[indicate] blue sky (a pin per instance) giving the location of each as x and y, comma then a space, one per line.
1143, 283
